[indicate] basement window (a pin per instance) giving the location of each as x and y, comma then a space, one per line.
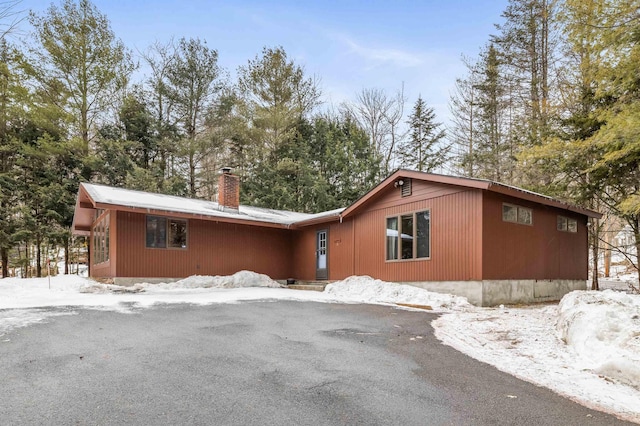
517, 214
164, 232
566, 224
409, 236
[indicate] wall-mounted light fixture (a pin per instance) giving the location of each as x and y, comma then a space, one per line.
398, 183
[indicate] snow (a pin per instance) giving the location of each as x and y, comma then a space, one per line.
363, 289
586, 348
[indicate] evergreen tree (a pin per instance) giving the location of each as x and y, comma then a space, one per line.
14, 100
192, 87
494, 151
80, 58
275, 97
424, 150
347, 163
463, 130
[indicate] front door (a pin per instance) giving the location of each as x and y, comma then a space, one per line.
321, 255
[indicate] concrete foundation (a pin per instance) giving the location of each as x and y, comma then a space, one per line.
496, 292
479, 293
129, 281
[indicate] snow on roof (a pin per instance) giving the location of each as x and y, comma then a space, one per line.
101, 194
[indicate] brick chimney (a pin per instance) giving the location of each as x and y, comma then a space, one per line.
228, 191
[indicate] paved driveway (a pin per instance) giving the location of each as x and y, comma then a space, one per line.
260, 363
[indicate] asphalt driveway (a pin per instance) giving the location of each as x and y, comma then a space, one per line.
260, 363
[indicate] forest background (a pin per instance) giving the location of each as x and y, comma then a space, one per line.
551, 103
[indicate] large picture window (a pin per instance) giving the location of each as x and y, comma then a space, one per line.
164, 232
101, 239
408, 236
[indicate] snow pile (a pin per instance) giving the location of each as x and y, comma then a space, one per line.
100, 288
364, 289
603, 329
527, 342
240, 279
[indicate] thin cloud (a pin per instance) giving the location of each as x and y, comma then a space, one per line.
397, 57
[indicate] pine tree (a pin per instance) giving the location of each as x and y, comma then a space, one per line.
80, 58
14, 101
463, 130
494, 153
275, 98
192, 87
424, 149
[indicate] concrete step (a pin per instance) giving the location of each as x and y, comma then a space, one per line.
312, 286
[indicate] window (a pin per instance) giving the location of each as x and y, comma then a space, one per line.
392, 238
517, 214
411, 239
101, 239
166, 233
566, 224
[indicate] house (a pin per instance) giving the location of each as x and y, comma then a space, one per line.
489, 242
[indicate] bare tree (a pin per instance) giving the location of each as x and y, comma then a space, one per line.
10, 17
377, 114
394, 116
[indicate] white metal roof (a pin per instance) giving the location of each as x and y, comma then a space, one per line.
101, 194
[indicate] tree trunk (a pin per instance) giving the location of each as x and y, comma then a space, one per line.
595, 230
66, 254
192, 175
38, 257
636, 234
4, 257
27, 261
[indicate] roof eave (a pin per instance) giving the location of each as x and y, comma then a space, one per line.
316, 221
448, 180
541, 199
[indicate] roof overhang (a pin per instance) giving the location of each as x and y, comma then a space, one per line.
83, 214
470, 183
86, 206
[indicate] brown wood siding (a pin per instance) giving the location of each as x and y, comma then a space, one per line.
456, 231
213, 249
455, 238
304, 254
341, 260
339, 246
539, 251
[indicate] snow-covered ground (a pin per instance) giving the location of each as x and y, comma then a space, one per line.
586, 348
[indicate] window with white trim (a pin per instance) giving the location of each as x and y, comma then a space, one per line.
408, 236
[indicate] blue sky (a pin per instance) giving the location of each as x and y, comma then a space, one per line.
348, 45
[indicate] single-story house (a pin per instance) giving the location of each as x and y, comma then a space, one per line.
490, 242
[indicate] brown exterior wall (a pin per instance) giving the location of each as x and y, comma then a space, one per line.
304, 254
455, 238
455, 235
539, 251
213, 249
339, 246
341, 259
469, 242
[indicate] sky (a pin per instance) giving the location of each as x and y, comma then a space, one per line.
348, 45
